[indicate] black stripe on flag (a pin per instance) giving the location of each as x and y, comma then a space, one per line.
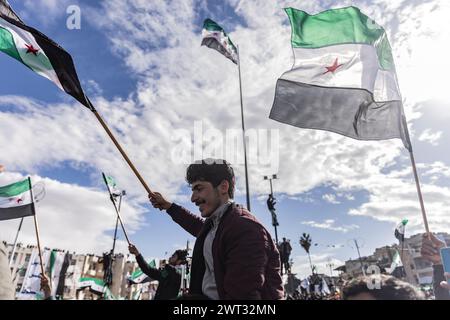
16, 212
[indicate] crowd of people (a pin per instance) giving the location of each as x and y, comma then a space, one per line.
234, 256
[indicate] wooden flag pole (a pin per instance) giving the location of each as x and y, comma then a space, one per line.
36, 227
419, 192
416, 178
122, 152
115, 207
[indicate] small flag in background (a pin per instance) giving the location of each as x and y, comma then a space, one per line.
15, 201
343, 79
112, 185
400, 230
39, 53
95, 285
140, 277
215, 38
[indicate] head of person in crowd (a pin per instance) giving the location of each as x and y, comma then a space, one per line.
380, 287
178, 258
212, 182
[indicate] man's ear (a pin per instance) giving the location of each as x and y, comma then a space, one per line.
224, 186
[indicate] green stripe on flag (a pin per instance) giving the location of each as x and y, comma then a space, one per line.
339, 26
7, 44
211, 25
14, 189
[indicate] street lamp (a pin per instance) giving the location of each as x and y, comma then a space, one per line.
271, 205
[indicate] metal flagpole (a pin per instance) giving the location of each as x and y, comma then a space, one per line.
36, 226
359, 255
15, 243
115, 207
117, 224
243, 131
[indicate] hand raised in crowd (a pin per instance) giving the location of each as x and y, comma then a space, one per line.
133, 250
158, 201
446, 284
430, 248
45, 286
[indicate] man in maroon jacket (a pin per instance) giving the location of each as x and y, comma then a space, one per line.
234, 256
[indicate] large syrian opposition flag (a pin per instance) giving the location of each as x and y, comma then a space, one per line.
215, 38
343, 79
39, 53
15, 201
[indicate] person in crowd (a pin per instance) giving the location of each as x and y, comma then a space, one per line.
234, 256
380, 287
430, 251
169, 277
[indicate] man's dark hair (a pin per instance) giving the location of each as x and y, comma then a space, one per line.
181, 255
212, 170
391, 288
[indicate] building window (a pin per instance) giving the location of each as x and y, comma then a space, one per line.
27, 257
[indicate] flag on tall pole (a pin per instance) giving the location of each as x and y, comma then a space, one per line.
215, 38
16, 201
343, 80
48, 59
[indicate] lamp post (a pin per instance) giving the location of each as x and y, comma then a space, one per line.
271, 205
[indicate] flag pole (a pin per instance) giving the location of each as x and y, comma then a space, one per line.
115, 207
416, 177
122, 152
117, 224
36, 227
419, 191
243, 131
15, 243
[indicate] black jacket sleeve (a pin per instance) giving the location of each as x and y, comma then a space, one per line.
155, 274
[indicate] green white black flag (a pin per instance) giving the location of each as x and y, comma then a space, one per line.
343, 78
15, 201
215, 38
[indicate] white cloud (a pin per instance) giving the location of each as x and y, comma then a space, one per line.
46, 11
330, 224
302, 268
331, 198
431, 137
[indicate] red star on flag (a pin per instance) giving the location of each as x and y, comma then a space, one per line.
334, 67
31, 49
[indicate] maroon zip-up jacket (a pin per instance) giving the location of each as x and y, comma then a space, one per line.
246, 260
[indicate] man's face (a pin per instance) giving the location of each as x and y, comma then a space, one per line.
205, 197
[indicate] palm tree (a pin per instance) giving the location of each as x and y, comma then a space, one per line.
305, 242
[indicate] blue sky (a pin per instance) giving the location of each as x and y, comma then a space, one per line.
142, 66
